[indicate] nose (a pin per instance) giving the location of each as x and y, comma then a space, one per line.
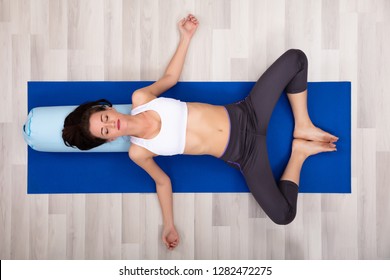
111, 124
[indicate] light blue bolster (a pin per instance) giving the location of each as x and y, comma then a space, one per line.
43, 130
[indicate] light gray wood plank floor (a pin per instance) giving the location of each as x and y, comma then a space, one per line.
347, 40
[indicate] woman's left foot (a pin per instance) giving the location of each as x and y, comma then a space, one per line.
314, 133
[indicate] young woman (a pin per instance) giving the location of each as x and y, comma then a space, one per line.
236, 133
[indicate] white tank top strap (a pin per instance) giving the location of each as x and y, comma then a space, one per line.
140, 108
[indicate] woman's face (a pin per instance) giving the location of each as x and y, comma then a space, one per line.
106, 124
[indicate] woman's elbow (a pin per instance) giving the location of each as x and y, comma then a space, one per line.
163, 182
172, 79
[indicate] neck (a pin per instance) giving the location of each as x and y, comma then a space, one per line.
134, 126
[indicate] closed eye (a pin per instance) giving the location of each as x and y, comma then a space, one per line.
103, 118
104, 131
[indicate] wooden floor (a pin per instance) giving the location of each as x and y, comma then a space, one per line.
237, 40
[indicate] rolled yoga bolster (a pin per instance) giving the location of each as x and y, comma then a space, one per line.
43, 130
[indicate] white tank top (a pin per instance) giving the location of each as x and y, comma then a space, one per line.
171, 139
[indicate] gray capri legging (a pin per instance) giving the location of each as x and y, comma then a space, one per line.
247, 147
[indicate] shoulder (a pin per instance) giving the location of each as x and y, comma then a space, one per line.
141, 97
139, 154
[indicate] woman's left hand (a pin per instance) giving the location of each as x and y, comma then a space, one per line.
188, 26
170, 237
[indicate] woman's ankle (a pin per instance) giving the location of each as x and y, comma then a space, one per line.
297, 151
303, 124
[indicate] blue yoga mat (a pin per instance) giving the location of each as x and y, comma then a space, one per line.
329, 107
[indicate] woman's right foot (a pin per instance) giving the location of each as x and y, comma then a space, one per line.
308, 148
313, 133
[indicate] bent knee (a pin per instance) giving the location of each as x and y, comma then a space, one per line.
299, 57
283, 217
296, 52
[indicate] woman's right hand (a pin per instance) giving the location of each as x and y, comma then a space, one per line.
170, 237
188, 26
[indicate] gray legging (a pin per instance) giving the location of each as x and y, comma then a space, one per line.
247, 148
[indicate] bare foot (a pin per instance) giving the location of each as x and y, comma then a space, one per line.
313, 133
309, 148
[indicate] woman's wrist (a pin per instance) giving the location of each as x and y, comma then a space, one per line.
185, 39
169, 224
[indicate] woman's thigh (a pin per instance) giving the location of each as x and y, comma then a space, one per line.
288, 72
262, 184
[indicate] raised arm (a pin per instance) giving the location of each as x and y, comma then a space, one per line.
187, 27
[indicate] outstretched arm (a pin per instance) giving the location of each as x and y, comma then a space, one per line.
145, 160
187, 27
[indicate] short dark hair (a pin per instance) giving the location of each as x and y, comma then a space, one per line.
76, 131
